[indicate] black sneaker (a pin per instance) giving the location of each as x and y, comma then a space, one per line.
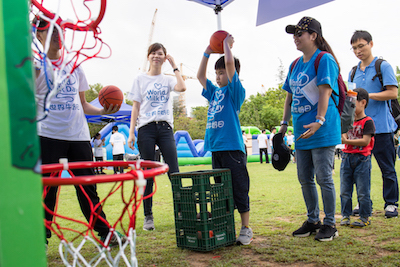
307, 229
326, 233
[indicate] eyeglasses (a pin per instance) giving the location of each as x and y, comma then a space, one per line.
299, 33
360, 46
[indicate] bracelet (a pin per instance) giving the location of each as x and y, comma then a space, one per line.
320, 118
320, 122
206, 55
176, 69
284, 123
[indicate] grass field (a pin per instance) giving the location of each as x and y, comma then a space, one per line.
277, 209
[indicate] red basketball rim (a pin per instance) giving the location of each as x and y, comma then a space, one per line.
150, 169
91, 27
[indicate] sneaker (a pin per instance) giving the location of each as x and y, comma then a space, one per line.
307, 229
245, 236
360, 223
327, 233
148, 224
345, 221
114, 239
356, 211
391, 211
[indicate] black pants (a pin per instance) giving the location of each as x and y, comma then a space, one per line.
152, 134
118, 169
52, 151
265, 151
98, 170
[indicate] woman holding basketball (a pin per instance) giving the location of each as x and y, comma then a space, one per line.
311, 97
152, 108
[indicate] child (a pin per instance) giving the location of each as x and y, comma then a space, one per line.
356, 164
223, 134
65, 133
98, 144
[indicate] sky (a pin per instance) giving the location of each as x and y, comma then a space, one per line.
184, 28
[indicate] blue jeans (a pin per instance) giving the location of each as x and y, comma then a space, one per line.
318, 162
385, 155
355, 169
156, 133
236, 162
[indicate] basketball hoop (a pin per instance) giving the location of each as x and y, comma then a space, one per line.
78, 36
79, 235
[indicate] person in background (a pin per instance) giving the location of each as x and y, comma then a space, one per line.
378, 109
262, 140
117, 141
98, 144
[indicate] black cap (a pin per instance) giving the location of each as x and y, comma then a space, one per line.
280, 153
307, 24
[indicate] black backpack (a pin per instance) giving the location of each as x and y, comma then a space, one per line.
394, 105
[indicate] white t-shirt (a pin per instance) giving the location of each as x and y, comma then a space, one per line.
153, 94
290, 139
262, 140
118, 141
271, 135
66, 119
98, 147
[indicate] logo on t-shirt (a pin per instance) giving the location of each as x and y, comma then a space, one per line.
215, 105
158, 96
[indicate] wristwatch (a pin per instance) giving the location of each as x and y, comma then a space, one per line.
284, 123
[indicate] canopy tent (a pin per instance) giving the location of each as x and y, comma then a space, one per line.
123, 115
269, 10
217, 5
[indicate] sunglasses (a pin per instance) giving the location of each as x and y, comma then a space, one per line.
299, 33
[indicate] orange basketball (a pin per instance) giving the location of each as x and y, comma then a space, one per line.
216, 41
110, 94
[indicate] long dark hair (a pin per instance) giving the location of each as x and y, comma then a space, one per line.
323, 45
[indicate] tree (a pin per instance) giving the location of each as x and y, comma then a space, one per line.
93, 92
195, 125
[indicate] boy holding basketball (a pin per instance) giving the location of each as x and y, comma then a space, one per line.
223, 134
64, 132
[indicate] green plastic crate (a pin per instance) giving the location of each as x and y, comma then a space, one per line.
204, 218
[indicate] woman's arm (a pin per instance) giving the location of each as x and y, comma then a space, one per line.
134, 116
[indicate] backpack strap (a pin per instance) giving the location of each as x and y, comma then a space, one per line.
294, 64
353, 73
316, 65
378, 74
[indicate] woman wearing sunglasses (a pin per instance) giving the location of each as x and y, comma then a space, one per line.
311, 97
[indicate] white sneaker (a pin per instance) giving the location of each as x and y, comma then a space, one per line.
391, 211
245, 236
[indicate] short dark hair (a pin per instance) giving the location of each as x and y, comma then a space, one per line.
362, 94
220, 64
115, 128
43, 25
273, 128
358, 35
263, 131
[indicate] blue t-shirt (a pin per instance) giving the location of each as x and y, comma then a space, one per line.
377, 110
223, 131
303, 84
